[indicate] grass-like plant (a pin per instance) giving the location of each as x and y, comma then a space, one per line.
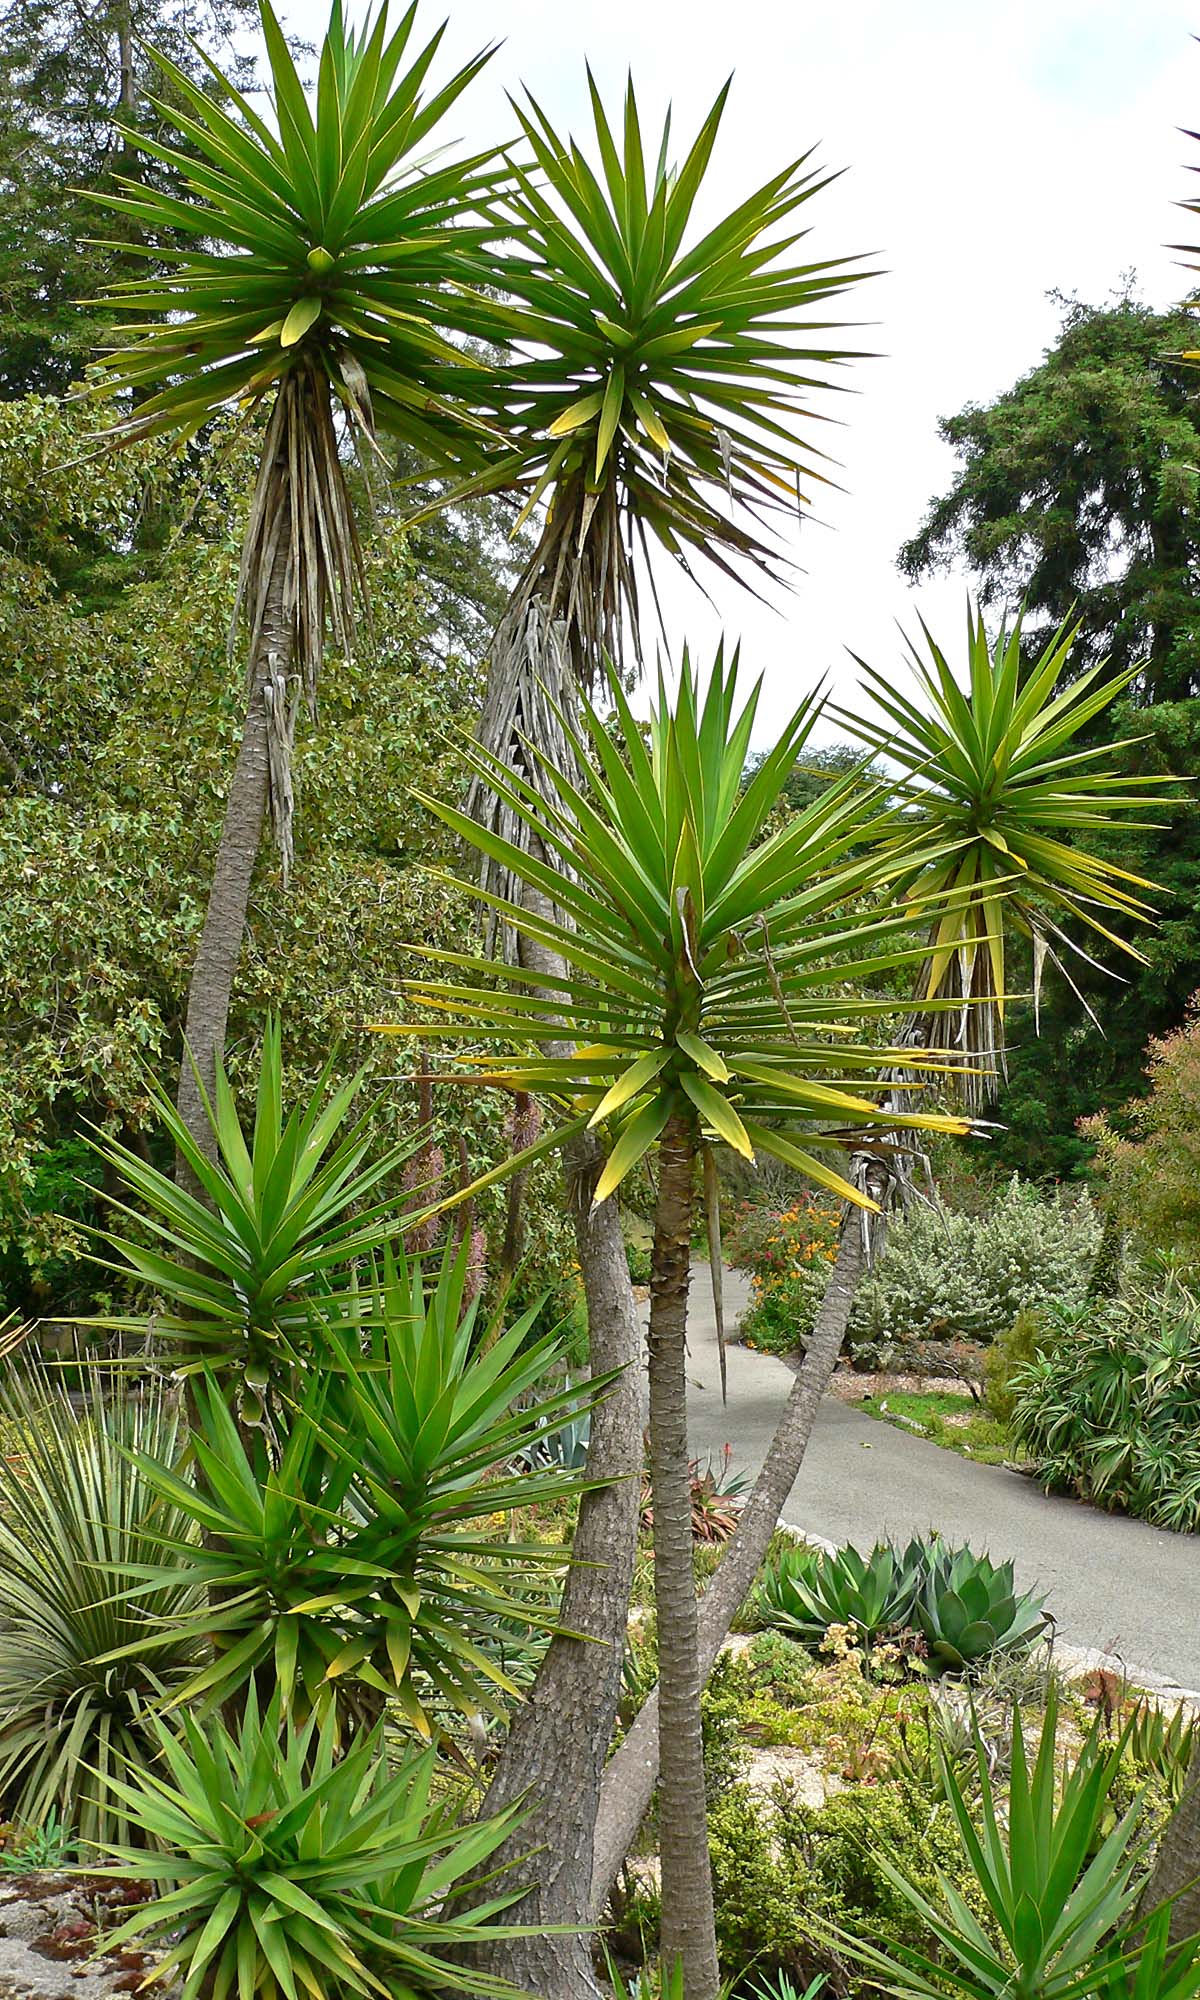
1062, 1895
287, 1870
1110, 1408
76, 1512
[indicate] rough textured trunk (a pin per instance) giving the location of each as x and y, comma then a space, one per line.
220, 944
1176, 1870
554, 1754
631, 1775
688, 1935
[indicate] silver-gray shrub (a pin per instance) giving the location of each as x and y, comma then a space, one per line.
951, 1276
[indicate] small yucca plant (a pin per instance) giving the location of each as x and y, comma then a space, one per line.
76, 1511
286, 1869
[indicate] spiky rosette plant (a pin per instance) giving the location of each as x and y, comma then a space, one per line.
320, 263
658, 398
1005, 796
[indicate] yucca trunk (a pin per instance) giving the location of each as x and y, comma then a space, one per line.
688, 1935
215, 966
633, 1771
1176, 1869
553, 1757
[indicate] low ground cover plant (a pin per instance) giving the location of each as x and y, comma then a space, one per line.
955, 1419
1110, 1409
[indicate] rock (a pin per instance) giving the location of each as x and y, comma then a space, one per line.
49, 1925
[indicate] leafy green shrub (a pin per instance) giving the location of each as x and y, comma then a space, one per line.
39, 1246
945, 1275
1153, 1175
1111, 1408
757, 1895
1012, 1350
965, 1607
289, 1870
838, 1854
82, 1658
637, 1256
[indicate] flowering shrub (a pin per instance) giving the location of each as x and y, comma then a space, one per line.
787, 1252
945, 1277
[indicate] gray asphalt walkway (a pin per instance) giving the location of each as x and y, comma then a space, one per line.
1112, 1583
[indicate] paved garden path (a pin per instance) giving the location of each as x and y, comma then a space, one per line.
1113, 1583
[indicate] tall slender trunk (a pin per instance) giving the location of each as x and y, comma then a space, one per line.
220, 946
1176, 1870
688, 1933
553, 1757
631, 1774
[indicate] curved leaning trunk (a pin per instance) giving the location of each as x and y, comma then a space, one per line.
215, 965
631, 1775
688, 1935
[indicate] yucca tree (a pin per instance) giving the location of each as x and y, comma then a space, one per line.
1003, 791
657, 401
714, 970
1002, 774
329, 263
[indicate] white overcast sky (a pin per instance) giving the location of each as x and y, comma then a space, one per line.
994, 150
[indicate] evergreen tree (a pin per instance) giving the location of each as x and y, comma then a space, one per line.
1079, 491
71, 77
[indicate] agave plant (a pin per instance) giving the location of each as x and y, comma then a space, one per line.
76, 1510
287, 1868
968, 1609
362, 1566
807, 1590
281, 1214
1062, 1902
1001, 771
330, 263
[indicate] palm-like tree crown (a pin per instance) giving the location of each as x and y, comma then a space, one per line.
324, 241
662, 374
327, 261
1003, 795
712, 966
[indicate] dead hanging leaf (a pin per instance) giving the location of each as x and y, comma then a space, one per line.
712, 1217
